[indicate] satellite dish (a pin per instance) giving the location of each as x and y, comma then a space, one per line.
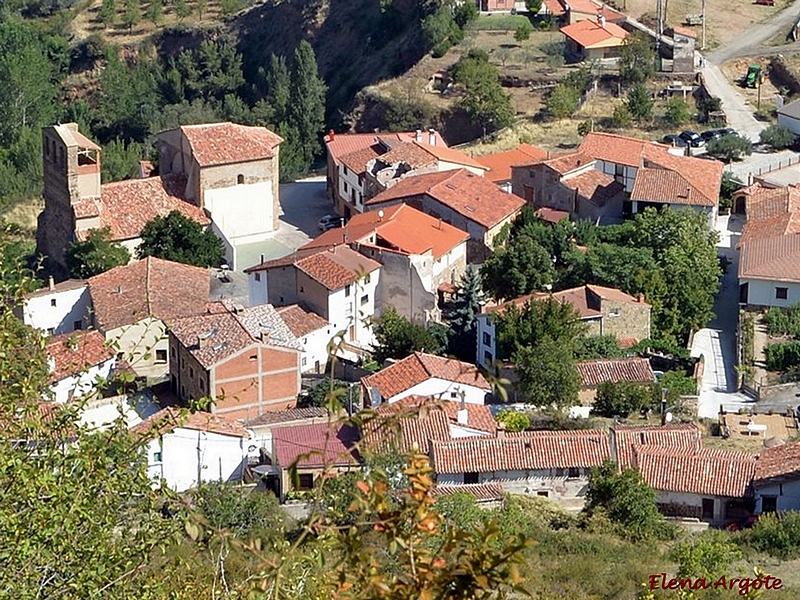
669, 417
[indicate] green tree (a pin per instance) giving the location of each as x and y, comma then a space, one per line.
778, 136
484, 99
330, 392
178, 238
201, 6
640, 103
709, 556
133, 14
278, 85
441, 30
95, 255
229, 7
547, 374
622, 398
182, 9
637, 59
513, 420
537, 321
678, 112
563, 101
155, 12
598, 346
462, 314
523, 32
520, 268
245, 512
533, 6
465, 13
120, 160
397, 337
108, 12
622, 115
730, 147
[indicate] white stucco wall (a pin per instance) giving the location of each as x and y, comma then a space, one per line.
790, 123
485, 326
188, 457
315, 349
446, 390
138, 344
348, 184
345, 310
444, 165
81, 384
257, 290
787, 494
762, 293
232, 210
550, 482
70, 306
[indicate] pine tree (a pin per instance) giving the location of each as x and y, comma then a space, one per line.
182, 9
108, 12
155, 11
278, 84
133, 13
307, 104
462, 315
201, 8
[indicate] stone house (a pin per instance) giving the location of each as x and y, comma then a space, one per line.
246, 360
133, 302
419, 256
605, 311
58, 308
500, 164
78, 361
593, 373
684, 41
460, 198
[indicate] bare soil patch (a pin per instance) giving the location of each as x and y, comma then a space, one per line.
734, 70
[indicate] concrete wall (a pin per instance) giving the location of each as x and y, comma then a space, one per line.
139, 345
486, 340
242, 212
762, 293
345, 310
351, 188
791, 123
70, 307
787, 494
446, 390
83, 383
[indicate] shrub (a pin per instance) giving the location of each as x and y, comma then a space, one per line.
621, 116
621, 399
513, 420
523, 32
777, 535
640, 103
678, 111
563, 101
245, 512
782, 357
730, 147
778, 136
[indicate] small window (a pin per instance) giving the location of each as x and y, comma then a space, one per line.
543, 493
253, 357
769, 504
487, 357
183, 363
191, 373
470, 478
559, 472
531, 174
303, 362
302, 289
347, 291
574, 473
258, 276
202, 385
239, 179
78, 325
454, 394
52, 302
364, 300
51, 331
157, 457
781, 293
305, 481
161, 356
614, 312
487, 339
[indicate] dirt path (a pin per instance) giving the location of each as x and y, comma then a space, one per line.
751, 41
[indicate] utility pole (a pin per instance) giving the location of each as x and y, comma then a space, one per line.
703, 41
659, 32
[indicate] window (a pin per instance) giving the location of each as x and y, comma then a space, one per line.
364, 300
347, 291
781, 293
258, 276
619, 173
302, 289
574, 473
156, 456
52, 302
183, 363
614, 312
202, 385
708, 508
239, 179
769, 504
253, 357
454, 394
345, 171
346, 188
191, 373
161, 356
543, 493
487, 357
470, 478
559, 472
51, 331
303, 362
305, 481
531, 173
487, 339
78, 325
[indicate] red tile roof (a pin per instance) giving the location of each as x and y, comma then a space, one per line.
584, 299
685, 31
625, 438
479, 417
169, 419
357, 160
551, 215
589, 34
301, 321
595, 186
472, 196
483, 492
75, 352
341, 144
419, 367
62, 286
707, 471
405, 429
772, 259
413, 154
619, 149
148, 288
501, 162
615, 370
569, 162
522, 452
555, 8
451, 155
126, 206
226, 143
319, 445
778, 462
289, 415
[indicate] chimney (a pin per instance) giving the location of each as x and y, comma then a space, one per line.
431, 137
501, 430
262, 259
418, 136
640, 298
331, 135
463, 414
202, 341
51, 284
601, 20
119, 289
440, 222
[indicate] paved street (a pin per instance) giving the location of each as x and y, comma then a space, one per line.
739, 114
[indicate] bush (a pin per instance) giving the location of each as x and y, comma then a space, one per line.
679, 383
678, 111
621, 117
777, 535
523, 32
782, 357
513, 420
778, 136
623, 398
243, 511
783, 321
730, 147
563, 101
640, 103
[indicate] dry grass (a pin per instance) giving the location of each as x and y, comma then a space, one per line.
24, 214
734, 70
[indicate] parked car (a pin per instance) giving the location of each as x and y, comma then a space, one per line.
674, 140
711, 134
692, 138
728, 131
329, 222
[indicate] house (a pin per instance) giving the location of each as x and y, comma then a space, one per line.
409, 159
58, 308
213, 174
426, 375
337, 283
231, 172
605, 311
497, 5
573, 184
347, 158
313, 451
500, 163
684, 41
707, 484
313, 333
186, 449
776, 482
246, 360
789, 116
582, 10
592, 39
132, 303
418, 255
79, 361
632, 369
553, 464
769, 259
625, 439
460, 198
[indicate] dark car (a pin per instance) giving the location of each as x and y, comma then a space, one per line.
711, 134
674, 140
692, 138
728, 131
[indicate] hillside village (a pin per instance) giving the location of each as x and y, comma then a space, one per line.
515, 324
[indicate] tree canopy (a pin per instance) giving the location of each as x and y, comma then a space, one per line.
517, 269
180, 239
484, 99
95, 255
462, 315
636, 59
397, 337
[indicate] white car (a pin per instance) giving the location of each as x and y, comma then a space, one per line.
329, 222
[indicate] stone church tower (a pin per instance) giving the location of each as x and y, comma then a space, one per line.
71, 177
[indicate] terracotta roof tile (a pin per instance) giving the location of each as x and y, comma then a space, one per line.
225, 143
522, 452
616, 370
357, 160
551, 215
319, 445
148, 288
483, 492
73, 353
62, 286
168, 419
479, 417
341, 144
619, 149
276, 417
500, 163
396, 430
451, 155
707, 471
625, 438
472, 196
685, 31
569, 162
419, 367
555, 8
595, 186
772, 258
584, 299
778, 462
411, 153
301, 321
589, 34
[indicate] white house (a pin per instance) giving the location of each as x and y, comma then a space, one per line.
185, 450
58, 308
776, 483
426, 375
79, 362
789, 116
313, 332
338, 284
